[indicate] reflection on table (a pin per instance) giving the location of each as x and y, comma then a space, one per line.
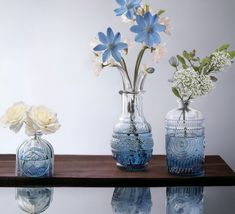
34, 200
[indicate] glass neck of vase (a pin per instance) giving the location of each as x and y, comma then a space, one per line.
37, 135
132, 104
183, 105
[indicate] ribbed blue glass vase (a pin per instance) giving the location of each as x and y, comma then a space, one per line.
35, 158
132, 142
185, 141
185, 200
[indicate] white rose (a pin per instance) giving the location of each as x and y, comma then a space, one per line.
159, 52
167, 22
40, 118
15, 116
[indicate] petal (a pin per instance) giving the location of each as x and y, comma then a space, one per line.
116, 55
140, 37
134, 3
147, 18
100, 47
159, 28
121, 2
102, 38
149, 40
129, 14
156, 38
154, 19
106, 55
137, 29
121, 46
110, 35
120, 11
117, 38
140, 20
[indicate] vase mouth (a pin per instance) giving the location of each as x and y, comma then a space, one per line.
131, 92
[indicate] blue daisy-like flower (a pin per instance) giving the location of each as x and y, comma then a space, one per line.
148, 29
127, 7
110, 45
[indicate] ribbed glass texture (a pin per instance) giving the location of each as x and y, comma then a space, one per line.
132, 142
35, 158
185, 200
185, 141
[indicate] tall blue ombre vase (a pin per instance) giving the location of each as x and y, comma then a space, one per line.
132, 142
35, 158
185, 200
185, 141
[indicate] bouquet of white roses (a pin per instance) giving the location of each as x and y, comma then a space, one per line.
35, 118
147, 25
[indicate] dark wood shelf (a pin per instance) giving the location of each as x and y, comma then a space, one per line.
101, 171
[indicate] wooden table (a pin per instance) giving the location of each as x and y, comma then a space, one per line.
101, 171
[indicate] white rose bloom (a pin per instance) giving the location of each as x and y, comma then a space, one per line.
40, 118
167, 22
98, 64
15, 116
159, 52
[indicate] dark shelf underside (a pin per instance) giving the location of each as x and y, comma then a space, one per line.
101, 171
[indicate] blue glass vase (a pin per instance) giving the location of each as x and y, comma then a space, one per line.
34, 200
35, 158
131, 200
132, 142
185, 141
185, 200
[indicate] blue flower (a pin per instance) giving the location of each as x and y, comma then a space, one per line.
127, 7
111, 45
147, 29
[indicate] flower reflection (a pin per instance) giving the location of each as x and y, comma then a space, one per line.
184, 200
34, 200
131, 200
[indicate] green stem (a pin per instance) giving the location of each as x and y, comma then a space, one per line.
123, 65
137, 65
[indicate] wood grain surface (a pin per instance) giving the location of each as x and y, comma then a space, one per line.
101, 171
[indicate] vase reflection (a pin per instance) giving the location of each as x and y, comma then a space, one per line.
131, 200
184, 200
34, 200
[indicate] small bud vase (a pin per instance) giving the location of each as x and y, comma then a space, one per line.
35, 158
185, 141
132, 142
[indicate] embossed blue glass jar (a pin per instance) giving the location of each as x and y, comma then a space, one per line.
185, 141
185, 200
132, 142
35, 158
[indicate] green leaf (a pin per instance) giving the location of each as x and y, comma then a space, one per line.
195, 59
232, 54
185, 66
181, 59
160, 12
176, 92
193, 53
214, 79
223, 47
186, 55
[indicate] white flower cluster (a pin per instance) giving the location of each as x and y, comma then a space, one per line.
190, 84
35, 118
220, 60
